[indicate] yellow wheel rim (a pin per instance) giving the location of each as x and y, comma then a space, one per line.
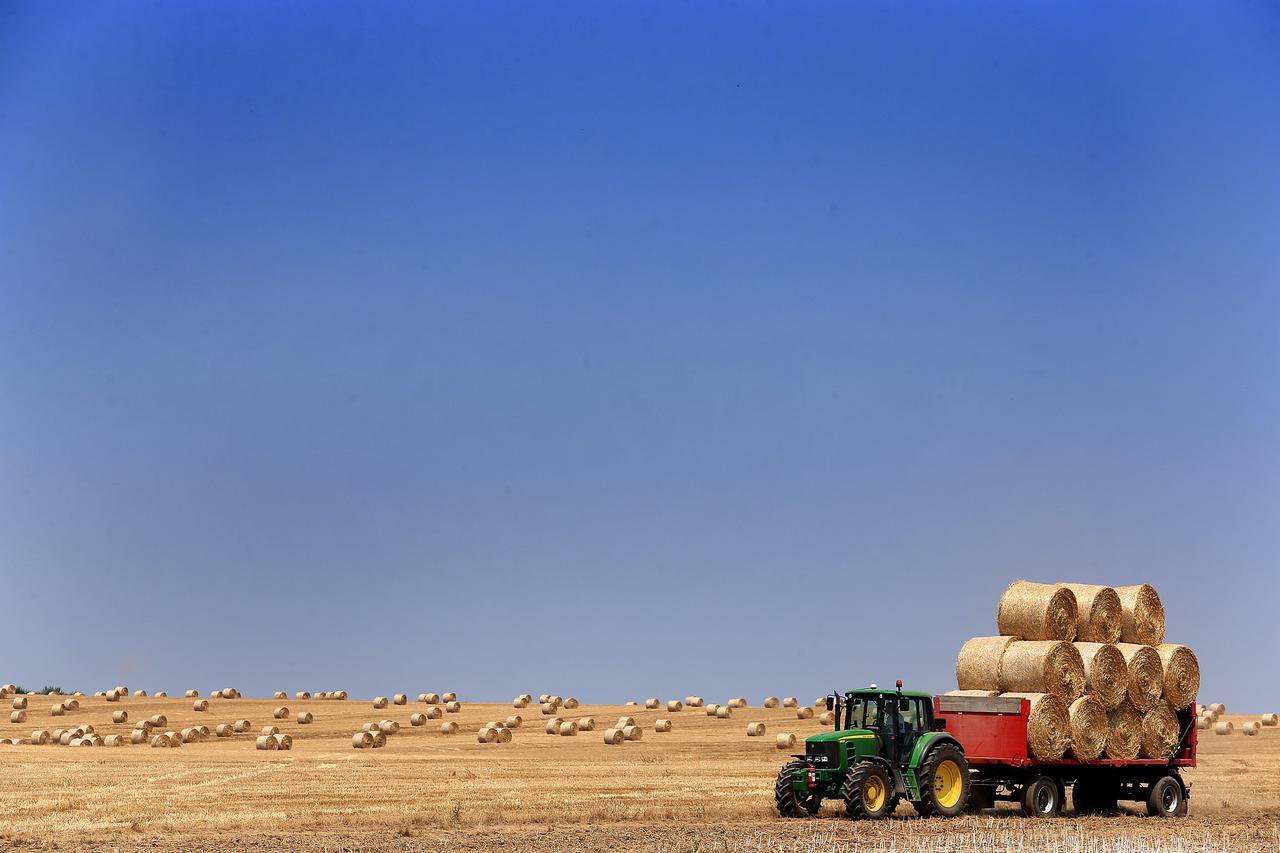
873, 794
946, 784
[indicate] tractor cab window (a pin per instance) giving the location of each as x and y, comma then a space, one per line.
863, 713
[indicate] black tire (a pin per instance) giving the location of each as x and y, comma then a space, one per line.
981, 797
934, 802
867, 792
1041, 797
1167, 798
784, 794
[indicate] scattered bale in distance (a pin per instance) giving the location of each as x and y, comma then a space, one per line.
400, 699
267, 742
1223, 728
827, 718
379, 739
434, 712
120, 716
1218, 708
201, 705
790, 702
1251, 728
633, 702
723, 712
139, 736
281, 713
1043, 666
280, 694
362, 740
771, 701
341, 696
623, 722
504, 734
1270, 719
587, 724
1089, 727
652, 704
977, 664
569, 728
450, 697
86, 728
571, 703
417, 719
711, 709
267, 731
379, 702
519, 702
302, 694
1204, 721
1146, 675
555, 700
514, 721
1141, 615
613, 736
162, 741
548, 708
452, 706
755, 729
448, 728
786, 740
1037, 611
192, 694
553, 725
1181, 674
633, 733
140, 694
1098, 613
158, 720
67, 735
304, 718
72, 705
57, 710
1159, 731
283, 741
40, 737
543, 697
160, 694
388, 727
693, 701
223, 730
674, 705
369, 727
242, 726
17, 716
205, 731
487, 735
663, 725
189, 735
20, 703
1106, 673
1048, 726
804, 713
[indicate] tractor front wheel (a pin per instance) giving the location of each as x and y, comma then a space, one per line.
944, 782
789, 803
866, 792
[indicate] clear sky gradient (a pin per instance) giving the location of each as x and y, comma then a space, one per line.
629, 349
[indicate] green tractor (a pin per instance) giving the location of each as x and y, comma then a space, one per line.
885, 746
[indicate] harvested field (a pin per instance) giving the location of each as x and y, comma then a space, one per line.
705, 784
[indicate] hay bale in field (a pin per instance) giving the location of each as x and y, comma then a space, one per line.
1141, 615
1218, 708
417, 719
504, 734
302, 694
362, 740
519, 702
632, 702
724, 712
486, 735
119, 716
569, 728
790, 702
192, 694
388, 727
543, 697
341, 696
693, 701
158, 720
434, 712
452, 706
448, 728
1106, 673
623, 722
379, 739
242, 725
633, 733
400, 699
283, 741
548, 709
368, 727
304, 718
1124, 732
1224, 727
711, 709
1037, 611
267, 731
267, 742
1089, 727
1146, 675
613, 736
977, 664
674, 706
514, 721
805, 713
281, 713
555, 699
223, 730
160, 694
430, 698
662, 726
770, 701
280, 694
755, 729
72, 704
20, 703
86, 728
826, 718
652, 704
1204, 721
138, 736
985, 694
1269, 719
786, 740
200, 705
1181, 674
190, 735
205, 731
1043, 666
819, 703
1048, 726
379, 702
1098, 613
40, 737
450, 697
57, 710
1251, 728
571, 703
553, 725
587, 724
161, 741
17, 716
1159, 731
67, 736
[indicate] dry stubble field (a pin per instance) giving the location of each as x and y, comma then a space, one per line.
705, 786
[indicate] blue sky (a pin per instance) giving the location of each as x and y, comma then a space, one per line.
626, 350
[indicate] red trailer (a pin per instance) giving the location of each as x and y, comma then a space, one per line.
993, 733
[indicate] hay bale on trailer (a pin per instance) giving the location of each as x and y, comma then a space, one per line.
1106, 674
1089, 728
1159, 731
1146, 675
1043, 666
1141, 615
1124, 732
1048, 725
1037, 611
1098, 613
977, 664
1181, 674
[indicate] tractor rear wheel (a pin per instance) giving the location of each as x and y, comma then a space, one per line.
944, 782
866, 791
789, 803
1041, 797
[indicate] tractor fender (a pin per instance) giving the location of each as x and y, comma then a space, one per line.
928, 743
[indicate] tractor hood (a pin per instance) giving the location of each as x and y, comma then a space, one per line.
836, 736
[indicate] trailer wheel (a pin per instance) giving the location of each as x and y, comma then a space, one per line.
944, 782
789, 803
1166, 798
866, 792
1041, 797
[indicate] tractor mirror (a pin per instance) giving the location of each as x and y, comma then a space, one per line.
831, 703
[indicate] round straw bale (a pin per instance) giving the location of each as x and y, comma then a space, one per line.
977, 664
1204, 721
242, 725
633, 733
1181, 674
819, 703
674, 705
543, 697
1037, 611
771, 701
192, 694
430, 698
20, 703
304, 718
267, 742
283, 741
569, 728
267, 731
1159, 731
1048, 726
17, 716
139, 736
514, 721
57, 710
201, 705
388, 727
613, 736
976, 693
587, 724
280, 694
1223, 727
805, 713
205, 731
120, 716
623, 722
190, 735
519, 702
400, 699
826, 718
160, 694
1146, 675
302, 694
98, 694
662, 725
632, 702
553, 725
161, 741
548, 708
1089, 728
452, 706
652, 704
281, 713
417, 719
86, 728
1106, 674
361, 740
555, 699
786, 740
1269, 719
1251, 728
223, 730
434, 712
755, 729
57, 735
571, 703
693, 701
341, 696
140, 694
380, 702
790, 702
1141, 615
379, 739
40, 737
487, 735
448, 728
1043, 666
175, 739
711, 709
158, 720
67, 736
72, 704
450, 697
1098, 613
369, 727
723, 712
526, 698
1218, 708
504, 734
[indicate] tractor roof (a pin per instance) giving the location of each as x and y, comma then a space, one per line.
868, 691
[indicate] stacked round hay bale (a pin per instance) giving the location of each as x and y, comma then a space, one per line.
1038, 611
977, 664
1089, 727
1160, 732
1106, 675
1098, 613
1043, 666
1181, 681
1048, 725
1141, 615
1146, 675
977, 694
